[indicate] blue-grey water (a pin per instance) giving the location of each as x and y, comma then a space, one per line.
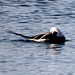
30, 17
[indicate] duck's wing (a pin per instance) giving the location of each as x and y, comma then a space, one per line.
46, 36
38, 36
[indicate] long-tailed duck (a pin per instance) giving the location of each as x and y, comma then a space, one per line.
54, 36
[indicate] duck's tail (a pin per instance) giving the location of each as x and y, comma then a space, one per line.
27, 37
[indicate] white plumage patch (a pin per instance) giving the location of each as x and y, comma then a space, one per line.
38, 40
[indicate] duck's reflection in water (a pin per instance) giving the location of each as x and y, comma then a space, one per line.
55, 48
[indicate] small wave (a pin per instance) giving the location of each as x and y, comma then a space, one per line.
22, 22
25, 5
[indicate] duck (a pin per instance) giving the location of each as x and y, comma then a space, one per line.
53, 36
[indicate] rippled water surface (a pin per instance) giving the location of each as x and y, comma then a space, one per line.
30, 17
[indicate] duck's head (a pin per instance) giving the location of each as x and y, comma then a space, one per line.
56, 31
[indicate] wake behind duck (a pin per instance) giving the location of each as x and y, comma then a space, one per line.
54, 36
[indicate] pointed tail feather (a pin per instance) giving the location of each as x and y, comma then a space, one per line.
27, 37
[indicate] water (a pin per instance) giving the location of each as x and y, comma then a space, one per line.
30, 17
